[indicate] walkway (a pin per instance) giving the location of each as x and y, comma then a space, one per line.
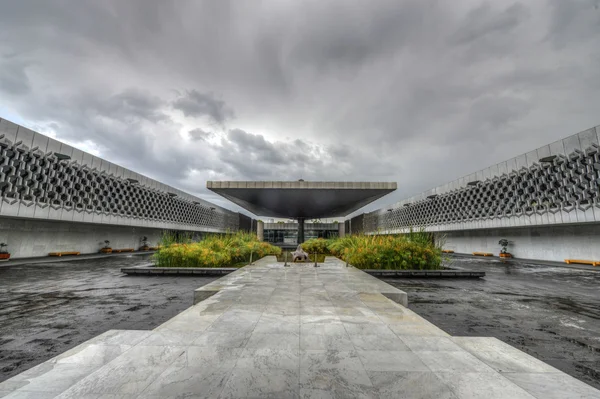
275, 332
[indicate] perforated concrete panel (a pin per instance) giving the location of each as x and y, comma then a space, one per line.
45, 179
555, 184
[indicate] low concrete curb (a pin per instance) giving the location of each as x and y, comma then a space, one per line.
146, 270
54, 259
400, 297
424, 273
551, 263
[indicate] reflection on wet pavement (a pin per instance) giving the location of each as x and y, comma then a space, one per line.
552, 313
48, 308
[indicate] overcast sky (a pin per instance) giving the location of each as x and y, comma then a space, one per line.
418, 92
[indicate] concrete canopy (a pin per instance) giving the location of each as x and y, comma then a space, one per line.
300, 199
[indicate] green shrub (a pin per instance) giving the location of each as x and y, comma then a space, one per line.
213, 251
316, 245
420, 236
387, 252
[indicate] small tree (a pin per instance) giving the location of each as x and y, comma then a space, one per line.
106, 244
3, 246
503, 243
144, 241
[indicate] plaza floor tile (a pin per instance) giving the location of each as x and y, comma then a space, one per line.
277, 332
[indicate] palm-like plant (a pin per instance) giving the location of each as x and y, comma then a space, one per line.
503, 243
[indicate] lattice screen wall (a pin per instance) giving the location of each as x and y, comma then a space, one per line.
38, 183
553, 186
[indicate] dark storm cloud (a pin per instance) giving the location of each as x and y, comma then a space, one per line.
131, 127
498, 111
356, 34
196, 104
133, 104
484, 21
253, 157
418, 92
253, 146
486, 33
199, 134
13, 79
574, 22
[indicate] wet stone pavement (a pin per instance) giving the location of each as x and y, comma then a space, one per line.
551, 313
48, 308
274, 332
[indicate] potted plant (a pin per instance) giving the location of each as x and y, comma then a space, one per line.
4, 255
106, 249
503, 253
144, 246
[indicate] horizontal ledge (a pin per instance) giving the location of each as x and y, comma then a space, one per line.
424, 273
204, 271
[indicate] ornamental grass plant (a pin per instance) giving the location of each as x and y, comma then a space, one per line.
228, 250
317, 246
413, 251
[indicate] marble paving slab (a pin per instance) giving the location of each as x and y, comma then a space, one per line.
269, 331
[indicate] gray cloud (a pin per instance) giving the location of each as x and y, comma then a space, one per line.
14, 80
199, 134
251, 156
484, 21
133, 104
574, 23
415, 92
196, 104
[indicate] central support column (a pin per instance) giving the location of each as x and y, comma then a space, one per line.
341, 229
260, 230
300, 230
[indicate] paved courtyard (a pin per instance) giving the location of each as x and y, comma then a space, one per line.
549, 312
49, 308
270, 331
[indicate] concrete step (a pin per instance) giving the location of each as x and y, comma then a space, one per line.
271, 331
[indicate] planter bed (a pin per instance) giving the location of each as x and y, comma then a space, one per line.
146, 270
447, 273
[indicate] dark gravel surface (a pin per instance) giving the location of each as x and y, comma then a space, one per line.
552, 313
48, 308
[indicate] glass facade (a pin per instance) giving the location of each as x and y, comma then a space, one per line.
290, 236
281, 236
308, 234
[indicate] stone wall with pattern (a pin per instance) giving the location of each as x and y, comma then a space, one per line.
41, 178
555, 184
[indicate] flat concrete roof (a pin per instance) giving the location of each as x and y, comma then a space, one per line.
301, 199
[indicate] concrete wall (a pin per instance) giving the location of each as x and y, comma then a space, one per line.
42, 178
554, 243
558, 183
546, 202
29, 238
